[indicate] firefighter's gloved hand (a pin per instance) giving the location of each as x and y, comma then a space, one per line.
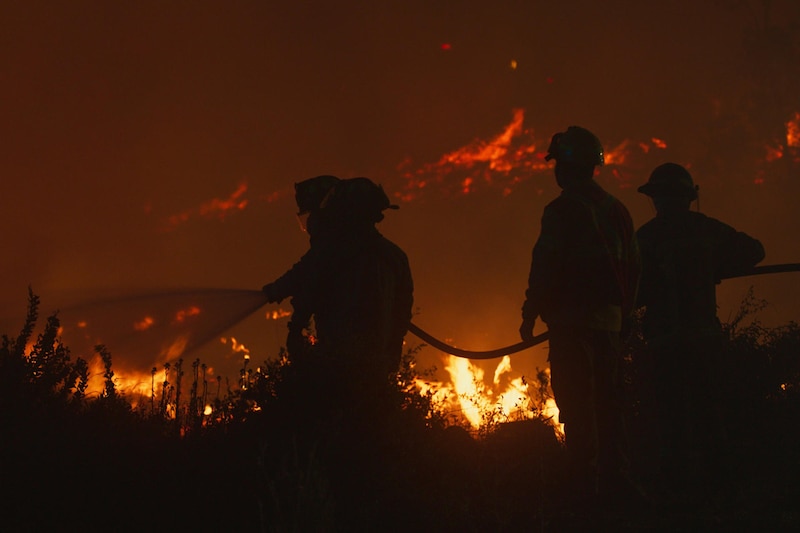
271, 291
526, 329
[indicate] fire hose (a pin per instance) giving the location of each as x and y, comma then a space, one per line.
538, 339
240, 303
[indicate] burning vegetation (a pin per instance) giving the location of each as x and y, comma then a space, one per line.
479, 452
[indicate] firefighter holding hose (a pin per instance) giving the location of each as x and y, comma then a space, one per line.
583, 278
685, 254
354, 283
301, 281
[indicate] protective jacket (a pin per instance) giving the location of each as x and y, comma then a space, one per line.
684, 256
585, 264
362, 307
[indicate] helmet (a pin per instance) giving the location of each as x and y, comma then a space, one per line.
576, 145
309, 194
670, 179
358, 199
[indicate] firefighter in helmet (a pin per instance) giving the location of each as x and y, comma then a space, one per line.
363, 308
582, 284
684, 255
353, 283
303, 277
354, 291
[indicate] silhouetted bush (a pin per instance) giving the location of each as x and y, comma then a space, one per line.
256, 463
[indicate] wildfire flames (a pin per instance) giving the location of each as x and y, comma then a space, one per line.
216, 207
510, 157
472, 396
469, 397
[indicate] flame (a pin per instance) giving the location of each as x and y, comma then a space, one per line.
504, 161
213, 208
467, 383
133, 384
620, 153
776, 151
492, 162
181, 315
236, 346
221, 207
480, 403
793, 131
143, 324
280, 313
659, 143
773, 153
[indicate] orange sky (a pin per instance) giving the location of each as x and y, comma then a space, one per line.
154, 145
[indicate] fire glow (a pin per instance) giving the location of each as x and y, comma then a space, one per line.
509, 158
472, 396
214, 208
469, 398
793, 131
502, 162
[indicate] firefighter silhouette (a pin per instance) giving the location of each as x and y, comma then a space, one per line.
582, 283
301, 280
684, 255
353, 288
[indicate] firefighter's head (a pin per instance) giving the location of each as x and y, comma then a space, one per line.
310, 193
309, 196
671, 187
670, 179
357, 202
577, 152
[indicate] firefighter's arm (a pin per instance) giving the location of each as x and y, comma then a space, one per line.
737, 251
291, 282
542, 273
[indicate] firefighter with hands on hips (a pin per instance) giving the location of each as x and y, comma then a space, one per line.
583, 279
685, 254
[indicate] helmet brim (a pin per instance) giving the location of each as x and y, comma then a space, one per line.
669, 191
